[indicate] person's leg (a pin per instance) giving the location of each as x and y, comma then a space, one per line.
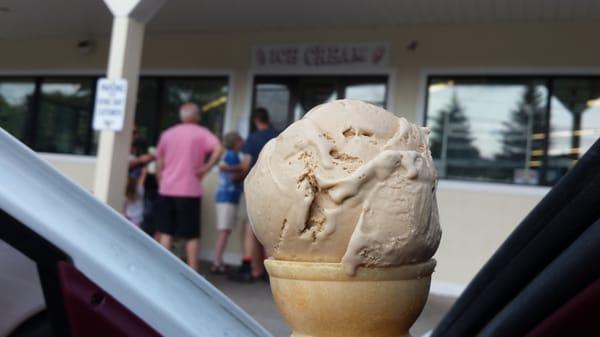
192, 247
244, 272
166, 240
220, 248
188, 227
253, 251
165, 221
248, 240
225, 222
149, 221
258, 264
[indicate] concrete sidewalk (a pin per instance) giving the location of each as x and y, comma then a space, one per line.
257, 300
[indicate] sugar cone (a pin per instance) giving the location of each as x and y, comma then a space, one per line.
321, 300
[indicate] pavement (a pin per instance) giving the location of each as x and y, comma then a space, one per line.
257, 300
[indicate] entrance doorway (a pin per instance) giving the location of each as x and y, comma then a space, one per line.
288, 98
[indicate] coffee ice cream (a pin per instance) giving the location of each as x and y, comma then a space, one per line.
351, 183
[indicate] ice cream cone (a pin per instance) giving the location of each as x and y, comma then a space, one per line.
322, 300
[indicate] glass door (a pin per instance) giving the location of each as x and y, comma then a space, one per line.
288, 98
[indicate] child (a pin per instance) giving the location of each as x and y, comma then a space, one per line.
228, 196
134, 198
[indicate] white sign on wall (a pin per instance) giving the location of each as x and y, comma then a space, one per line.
322, 55
109, 108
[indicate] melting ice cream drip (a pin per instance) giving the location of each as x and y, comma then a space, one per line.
379, 169
314, 137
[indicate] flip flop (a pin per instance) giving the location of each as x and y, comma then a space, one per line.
218, 269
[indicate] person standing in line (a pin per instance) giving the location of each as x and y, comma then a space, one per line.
253, 267
141, 161
181, 164
134, 198
229, 192
138, 154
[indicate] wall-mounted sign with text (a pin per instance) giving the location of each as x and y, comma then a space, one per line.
322, 55
109, 109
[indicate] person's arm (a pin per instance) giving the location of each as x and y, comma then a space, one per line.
159, 167
141, 160
215, 156
237, 171
231, 168
142, 179
139, 189
246, 161
240, 170
159, 156
146, 158
133, 161
237, 176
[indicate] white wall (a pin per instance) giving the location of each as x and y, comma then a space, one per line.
476, 219
80, 169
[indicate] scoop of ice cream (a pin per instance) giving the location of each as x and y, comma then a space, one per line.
351, 183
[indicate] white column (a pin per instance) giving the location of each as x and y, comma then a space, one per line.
113, 147
124, 61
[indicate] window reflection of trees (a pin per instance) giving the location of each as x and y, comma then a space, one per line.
525, 130
520, 150
452, 141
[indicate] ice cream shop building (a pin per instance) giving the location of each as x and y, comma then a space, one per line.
510, 89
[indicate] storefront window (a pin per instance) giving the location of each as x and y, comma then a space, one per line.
64, 117
373, 93
276, 98
15, 99
159, 99
512, 130
146, 111
575, 122
54, 114
209, 94
288, 98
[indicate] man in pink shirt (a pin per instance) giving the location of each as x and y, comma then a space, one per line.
180, 166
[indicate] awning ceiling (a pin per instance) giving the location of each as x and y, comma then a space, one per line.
35, 18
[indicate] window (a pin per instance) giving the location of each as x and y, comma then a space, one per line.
15, 100
373, 93
276, 99
209, 94
574, 122
159, 100
522, 130
288, 98
64, 118
147, 109
54, 114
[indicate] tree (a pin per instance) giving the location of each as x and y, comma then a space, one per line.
527, 119
451, 140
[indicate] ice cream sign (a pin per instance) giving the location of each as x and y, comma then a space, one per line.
322, 55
